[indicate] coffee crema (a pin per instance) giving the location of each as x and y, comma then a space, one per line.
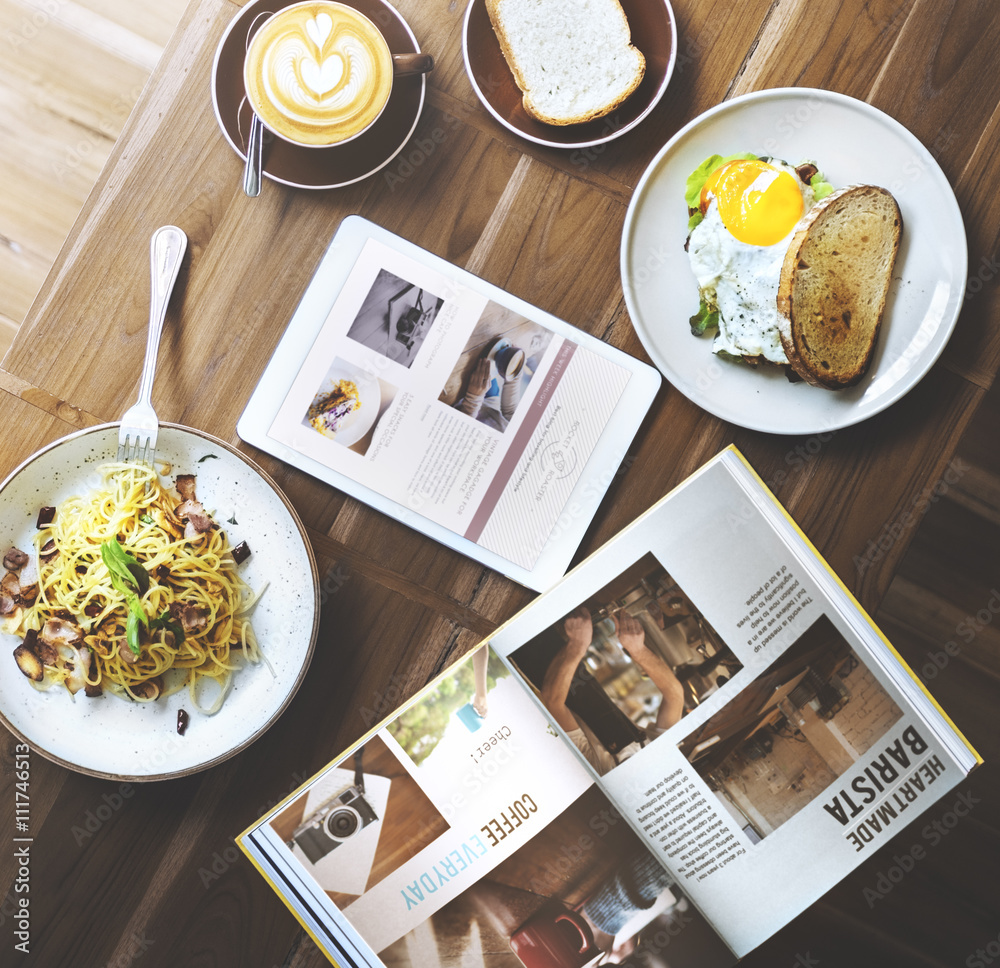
318, 73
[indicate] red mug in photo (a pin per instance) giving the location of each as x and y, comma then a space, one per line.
555, 936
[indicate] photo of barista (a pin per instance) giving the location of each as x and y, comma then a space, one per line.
626, 665
583, 890
494, 369
395, 318
359, 822
792, 732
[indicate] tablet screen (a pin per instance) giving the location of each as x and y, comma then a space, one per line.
451, 404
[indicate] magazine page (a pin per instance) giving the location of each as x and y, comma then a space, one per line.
709, 670
433, 395
465, 832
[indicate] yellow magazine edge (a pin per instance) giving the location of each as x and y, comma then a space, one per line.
286, 900
871, 623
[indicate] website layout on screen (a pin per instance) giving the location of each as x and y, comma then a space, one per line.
452, 405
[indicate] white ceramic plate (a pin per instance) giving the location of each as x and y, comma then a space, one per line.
368, 394
115, 738
851, 142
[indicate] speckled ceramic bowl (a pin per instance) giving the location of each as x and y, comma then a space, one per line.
115, 738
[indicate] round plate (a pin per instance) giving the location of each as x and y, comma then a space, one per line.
654, 32
369, 396
851, 142
338, 165
115, 738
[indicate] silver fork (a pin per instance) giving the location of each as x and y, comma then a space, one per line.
139, 426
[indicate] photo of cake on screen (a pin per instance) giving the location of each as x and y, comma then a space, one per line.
348, 404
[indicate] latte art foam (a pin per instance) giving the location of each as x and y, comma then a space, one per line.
318, 73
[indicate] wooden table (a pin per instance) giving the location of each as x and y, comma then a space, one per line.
159, 882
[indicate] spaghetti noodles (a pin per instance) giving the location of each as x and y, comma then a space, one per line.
138, 593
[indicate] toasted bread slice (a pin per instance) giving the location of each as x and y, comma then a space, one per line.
572, 59
834, 283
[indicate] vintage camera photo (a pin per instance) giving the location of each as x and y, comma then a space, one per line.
336, 821
359, 821
337, 833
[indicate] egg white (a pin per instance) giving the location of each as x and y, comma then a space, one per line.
741, 281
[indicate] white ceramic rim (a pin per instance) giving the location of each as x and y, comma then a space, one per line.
849, 416
342, 141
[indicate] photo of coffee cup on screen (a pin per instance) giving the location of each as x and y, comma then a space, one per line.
320, 73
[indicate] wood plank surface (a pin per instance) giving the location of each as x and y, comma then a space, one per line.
147, 873
70, 74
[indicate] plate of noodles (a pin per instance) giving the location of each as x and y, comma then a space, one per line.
160, 619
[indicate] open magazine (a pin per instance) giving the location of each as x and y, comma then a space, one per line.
642, 756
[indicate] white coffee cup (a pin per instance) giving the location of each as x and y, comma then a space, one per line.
320, 73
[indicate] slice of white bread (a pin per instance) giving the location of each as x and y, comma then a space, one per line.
834, 281
572, 59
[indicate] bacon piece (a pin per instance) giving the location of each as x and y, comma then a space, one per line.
191, 511
28, 578
10, 585
196, 519
193, 620
61, 631
185, 485
77, 664
10, 593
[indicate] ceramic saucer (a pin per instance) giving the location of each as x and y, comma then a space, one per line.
338, 165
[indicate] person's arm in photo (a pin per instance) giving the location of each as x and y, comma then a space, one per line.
475, 391
579, 629
633, 640
480, 663
510, 396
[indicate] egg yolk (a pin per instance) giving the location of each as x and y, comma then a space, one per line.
758, 203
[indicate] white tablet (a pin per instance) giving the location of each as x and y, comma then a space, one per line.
448, 403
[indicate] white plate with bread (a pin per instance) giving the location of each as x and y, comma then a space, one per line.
852, 143
569, 73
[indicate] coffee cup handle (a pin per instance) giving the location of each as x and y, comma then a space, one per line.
416, 63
